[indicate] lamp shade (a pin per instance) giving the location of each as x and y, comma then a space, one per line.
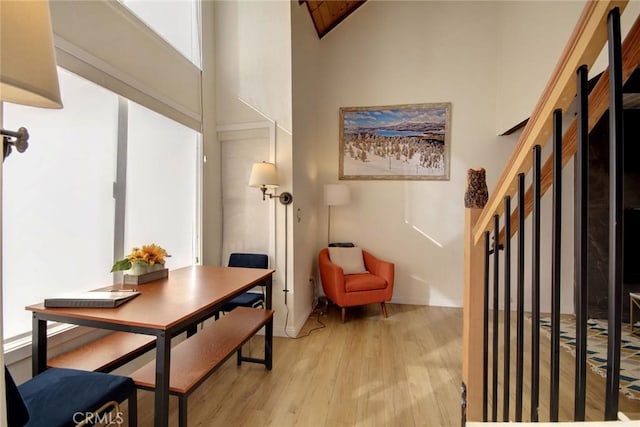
263, 174
28, 74
336, 195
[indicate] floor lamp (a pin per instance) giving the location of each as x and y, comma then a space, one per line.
335, 195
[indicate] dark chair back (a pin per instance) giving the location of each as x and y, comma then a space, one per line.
247, 299
248, 260
56, 396
17, 413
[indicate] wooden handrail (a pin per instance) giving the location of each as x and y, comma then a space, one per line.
584, 46
598, 105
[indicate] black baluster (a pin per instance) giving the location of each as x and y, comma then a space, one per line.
507, 308
616, 226
535, 288
556, 230
520, 302
496, 303
581, 230
485, 331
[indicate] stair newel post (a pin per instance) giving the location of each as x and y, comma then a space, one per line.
473, 312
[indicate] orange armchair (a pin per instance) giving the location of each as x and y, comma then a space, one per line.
357, 289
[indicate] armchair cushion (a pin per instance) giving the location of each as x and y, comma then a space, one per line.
349, 259
363, 282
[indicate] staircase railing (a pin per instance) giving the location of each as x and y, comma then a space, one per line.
485, 231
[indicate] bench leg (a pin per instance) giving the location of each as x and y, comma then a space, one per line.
133, 408
268, 344
239, 353
182, 410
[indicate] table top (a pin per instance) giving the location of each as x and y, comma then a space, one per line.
165, 303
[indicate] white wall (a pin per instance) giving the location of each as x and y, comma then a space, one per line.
532, 36
396, 52
264, 58
211, 178
391, 52
491, 60
253, 84
229, 109
307, 188
253, 62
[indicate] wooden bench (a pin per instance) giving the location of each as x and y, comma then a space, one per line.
105, 354
196, 358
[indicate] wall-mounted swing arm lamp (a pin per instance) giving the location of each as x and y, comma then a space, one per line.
18, 139
28, 74
264, 176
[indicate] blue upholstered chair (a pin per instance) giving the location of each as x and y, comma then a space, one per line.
60, 397
248, 299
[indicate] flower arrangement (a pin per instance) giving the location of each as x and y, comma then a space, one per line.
146, 256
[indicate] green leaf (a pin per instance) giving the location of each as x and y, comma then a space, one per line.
123, 264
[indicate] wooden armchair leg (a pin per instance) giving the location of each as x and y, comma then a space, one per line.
384, 309
344, 314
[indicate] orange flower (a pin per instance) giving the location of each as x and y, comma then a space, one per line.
154, 254
148, 255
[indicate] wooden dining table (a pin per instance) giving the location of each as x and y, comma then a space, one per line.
164, 309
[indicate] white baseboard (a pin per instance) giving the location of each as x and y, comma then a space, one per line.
436, 302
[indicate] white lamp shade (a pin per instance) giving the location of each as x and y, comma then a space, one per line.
28, 74
263, 174
336, 195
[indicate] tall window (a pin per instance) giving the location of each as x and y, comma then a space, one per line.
58, 201
177, 21
161, 185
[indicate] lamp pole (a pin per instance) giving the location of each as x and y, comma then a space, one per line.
328, 225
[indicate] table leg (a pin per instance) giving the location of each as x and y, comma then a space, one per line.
268, 333
38, 346
269, 284
163, 364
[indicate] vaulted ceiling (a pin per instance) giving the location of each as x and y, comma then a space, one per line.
326, 14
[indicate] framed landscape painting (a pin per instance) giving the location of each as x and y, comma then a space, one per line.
401, 142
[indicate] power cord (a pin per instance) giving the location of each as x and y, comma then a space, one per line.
318, 311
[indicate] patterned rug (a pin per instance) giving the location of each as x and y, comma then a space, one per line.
597, 350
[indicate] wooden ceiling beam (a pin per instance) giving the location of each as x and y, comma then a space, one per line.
327, 14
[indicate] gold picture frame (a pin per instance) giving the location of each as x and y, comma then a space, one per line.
395, 142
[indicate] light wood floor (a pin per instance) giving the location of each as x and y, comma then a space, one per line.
401, 371
595, 401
